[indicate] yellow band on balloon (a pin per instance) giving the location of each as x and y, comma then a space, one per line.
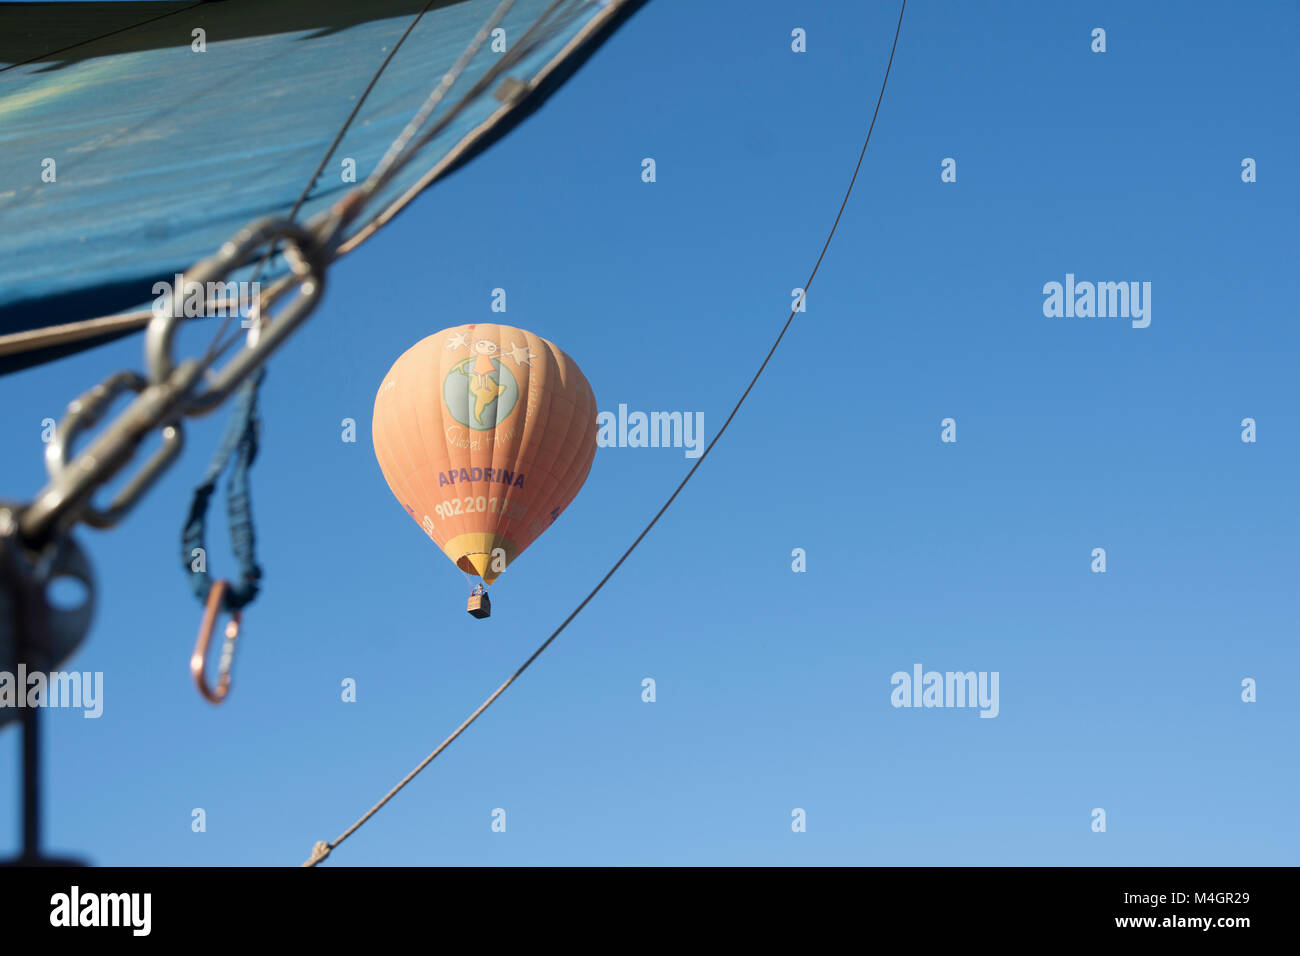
474, 553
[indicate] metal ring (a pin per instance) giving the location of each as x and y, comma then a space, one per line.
173, 440
306, 261
84, 413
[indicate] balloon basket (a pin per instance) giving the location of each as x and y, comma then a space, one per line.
479, 606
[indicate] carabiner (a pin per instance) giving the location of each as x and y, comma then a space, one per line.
198, 662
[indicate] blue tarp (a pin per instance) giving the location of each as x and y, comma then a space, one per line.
161, 153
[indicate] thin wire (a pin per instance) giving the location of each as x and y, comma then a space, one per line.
521, 47
103, 36
398, 155
215, 349
440, 91
322, 849
396, 159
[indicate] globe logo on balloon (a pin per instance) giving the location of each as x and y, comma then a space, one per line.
477, 396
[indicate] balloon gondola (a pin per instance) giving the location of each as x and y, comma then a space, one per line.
479, 605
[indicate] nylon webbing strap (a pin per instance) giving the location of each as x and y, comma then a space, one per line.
240, 441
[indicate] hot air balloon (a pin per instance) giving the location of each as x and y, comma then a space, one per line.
484, 433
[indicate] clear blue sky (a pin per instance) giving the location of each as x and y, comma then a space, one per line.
1118, 690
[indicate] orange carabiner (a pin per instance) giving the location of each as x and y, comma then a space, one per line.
198, 661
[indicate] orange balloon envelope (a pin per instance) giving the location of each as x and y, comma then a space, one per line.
484, 433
